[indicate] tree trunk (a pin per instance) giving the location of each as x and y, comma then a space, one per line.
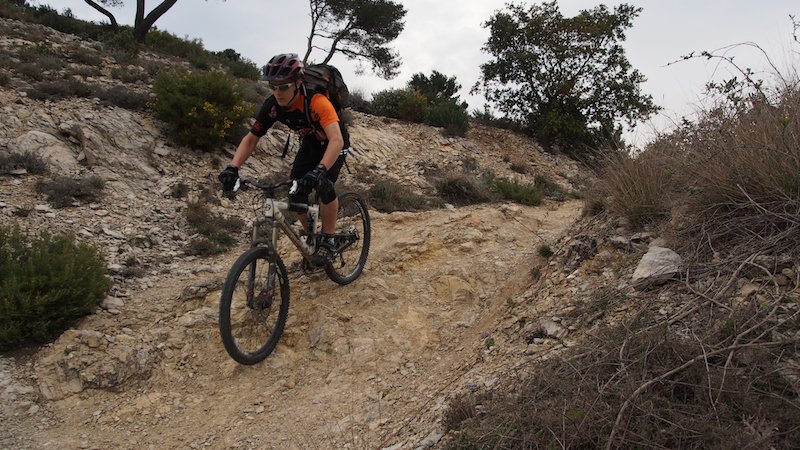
143, 24
104, 12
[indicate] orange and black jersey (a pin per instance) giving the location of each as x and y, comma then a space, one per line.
294, 116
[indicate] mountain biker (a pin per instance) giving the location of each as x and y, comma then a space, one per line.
319, 159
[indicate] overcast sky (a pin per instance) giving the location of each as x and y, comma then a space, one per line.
447, 36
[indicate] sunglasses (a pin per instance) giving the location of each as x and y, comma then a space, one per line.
280, 87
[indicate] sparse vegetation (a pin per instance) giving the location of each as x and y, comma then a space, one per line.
639, 384
449, 115
179, 190
217, 231
29, 162
64, 191
48, 283
390, 196
545, 251
462, 189
511, 189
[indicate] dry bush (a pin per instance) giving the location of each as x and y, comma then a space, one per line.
130, 74
64, 191
745, 173
389, 196
28, 161
217, 231
84, 55
639, 185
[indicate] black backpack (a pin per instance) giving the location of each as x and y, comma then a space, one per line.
326, 79
322, 79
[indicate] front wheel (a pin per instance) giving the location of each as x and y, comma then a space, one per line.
352, 239
254, 305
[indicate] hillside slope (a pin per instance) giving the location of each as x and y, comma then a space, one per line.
368, 365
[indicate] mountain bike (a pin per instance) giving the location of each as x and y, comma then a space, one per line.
254, 303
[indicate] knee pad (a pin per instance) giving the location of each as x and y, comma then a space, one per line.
326, 191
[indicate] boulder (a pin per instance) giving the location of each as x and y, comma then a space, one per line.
657, 266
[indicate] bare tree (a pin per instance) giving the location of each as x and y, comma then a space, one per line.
105, 12
142, 22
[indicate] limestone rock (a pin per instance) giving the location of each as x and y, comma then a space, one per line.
657, 266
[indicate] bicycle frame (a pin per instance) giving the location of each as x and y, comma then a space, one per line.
273, 215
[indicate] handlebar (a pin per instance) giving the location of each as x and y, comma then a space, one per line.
244, 184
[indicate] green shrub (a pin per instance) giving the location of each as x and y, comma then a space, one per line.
123, 46
238, 66
358, 102
385, 103
390, 196
412, 106
30, 162
200, 109
64, 191
550, 188
48, 282
449, 115
545, 251
510, 189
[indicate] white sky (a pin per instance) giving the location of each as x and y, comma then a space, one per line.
447, 36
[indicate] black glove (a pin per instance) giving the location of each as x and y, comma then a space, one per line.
228, 178
311, 179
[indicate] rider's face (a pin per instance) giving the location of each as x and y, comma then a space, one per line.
284, 92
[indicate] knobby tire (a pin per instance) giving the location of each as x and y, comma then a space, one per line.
353, 220
251, 330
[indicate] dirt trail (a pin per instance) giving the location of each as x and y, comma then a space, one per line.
368, 365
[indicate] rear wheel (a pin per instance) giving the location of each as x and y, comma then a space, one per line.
352, 239
254, 305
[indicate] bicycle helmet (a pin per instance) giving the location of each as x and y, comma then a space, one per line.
282, 68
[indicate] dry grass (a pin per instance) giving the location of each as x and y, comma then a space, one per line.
747, 181
638, 186
643, 384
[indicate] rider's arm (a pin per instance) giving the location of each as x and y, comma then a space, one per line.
335, 144
245, 149
257, 130
322, 111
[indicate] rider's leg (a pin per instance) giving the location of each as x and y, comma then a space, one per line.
329, 213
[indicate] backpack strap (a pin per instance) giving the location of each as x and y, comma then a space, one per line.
307, 107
